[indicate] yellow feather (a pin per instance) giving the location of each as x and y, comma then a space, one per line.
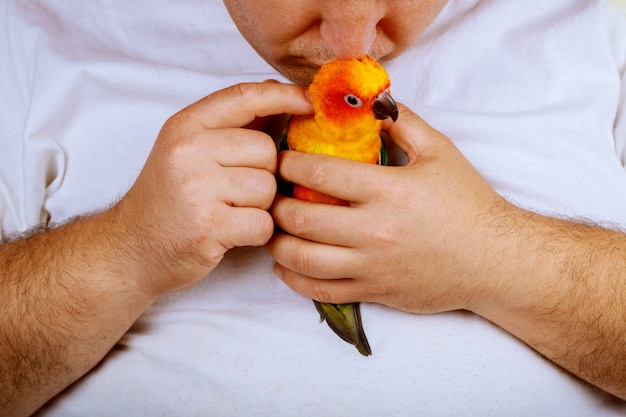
360, 142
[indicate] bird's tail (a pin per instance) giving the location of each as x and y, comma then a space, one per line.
345, 320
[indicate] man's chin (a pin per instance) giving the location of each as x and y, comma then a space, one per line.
299, 73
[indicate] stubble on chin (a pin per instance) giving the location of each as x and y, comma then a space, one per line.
298, 74
303, 65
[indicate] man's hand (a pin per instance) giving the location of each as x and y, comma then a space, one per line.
404, 239
71, 292
434, 236
206, 186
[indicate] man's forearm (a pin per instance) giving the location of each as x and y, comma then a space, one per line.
565, 297
64, 304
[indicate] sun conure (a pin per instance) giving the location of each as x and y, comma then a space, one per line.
350, 98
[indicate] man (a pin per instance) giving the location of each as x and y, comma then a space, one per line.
434, 236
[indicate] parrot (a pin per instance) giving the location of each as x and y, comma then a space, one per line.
350, 99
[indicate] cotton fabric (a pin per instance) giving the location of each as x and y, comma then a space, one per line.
531, 92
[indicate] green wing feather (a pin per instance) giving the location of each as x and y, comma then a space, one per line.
345, 321
382, 155
282, 144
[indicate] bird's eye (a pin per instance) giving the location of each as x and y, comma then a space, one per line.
353, 100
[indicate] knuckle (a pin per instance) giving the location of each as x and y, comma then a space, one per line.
303, 261
179, 153
382, 234
176, 120
268, 152
297, 221
261, 229
246, 92
242, 90
319, 173
267, 182
320, 292
259, 186
266, 148
266, 228
270, 192
389, 188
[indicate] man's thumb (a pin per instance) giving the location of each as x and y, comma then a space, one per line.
413, 135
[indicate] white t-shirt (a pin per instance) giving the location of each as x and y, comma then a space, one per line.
530, 92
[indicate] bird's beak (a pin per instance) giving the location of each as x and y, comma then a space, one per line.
385, 106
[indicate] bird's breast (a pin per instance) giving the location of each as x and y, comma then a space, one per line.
358, 141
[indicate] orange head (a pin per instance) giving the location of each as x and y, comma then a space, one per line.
347, 90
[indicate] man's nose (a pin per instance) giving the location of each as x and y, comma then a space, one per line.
350, 29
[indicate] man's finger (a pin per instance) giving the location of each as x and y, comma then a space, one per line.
246, 227
413, 135
316, 222
337, 291
242, 147
337, 177
238, 105
313, 259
